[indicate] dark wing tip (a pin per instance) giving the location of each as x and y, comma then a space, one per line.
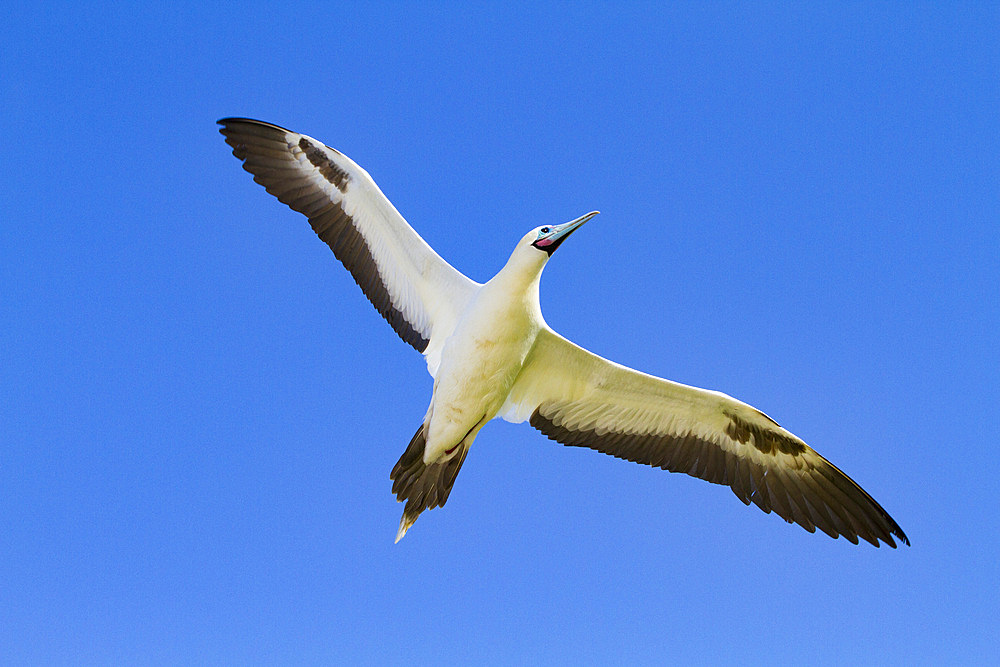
893, 527
880, 524
265, 152
832, 501
236, 120
874, 522
898, 532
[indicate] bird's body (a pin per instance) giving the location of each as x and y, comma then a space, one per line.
483, 356
491, 354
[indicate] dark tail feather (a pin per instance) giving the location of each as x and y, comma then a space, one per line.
423, 486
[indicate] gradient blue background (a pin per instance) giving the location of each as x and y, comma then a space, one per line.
199, 410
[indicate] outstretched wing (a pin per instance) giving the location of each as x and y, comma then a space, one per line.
413, 288
578, 398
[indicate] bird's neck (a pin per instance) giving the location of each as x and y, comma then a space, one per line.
523, 269
520, 276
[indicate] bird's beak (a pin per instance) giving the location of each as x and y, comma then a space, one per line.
560, 233
564, 230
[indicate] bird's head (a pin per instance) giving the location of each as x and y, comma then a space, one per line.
549, 237
532, 252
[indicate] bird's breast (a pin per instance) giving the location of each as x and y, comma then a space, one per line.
482, 358
479, 364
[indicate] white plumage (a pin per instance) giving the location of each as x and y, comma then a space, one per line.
492, 354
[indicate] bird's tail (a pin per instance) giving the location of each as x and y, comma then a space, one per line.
423, 486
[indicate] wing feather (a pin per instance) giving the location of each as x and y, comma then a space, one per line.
417, 292
580, 399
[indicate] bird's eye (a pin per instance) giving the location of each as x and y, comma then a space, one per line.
545, 230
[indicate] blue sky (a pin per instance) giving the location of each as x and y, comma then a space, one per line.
199, 410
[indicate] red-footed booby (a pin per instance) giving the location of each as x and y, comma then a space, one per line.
491, 354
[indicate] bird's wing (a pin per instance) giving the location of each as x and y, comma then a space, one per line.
578, 398
414, 289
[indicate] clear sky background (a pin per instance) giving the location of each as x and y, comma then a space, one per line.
199, 409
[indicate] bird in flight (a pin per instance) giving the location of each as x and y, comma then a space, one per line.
491, 354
